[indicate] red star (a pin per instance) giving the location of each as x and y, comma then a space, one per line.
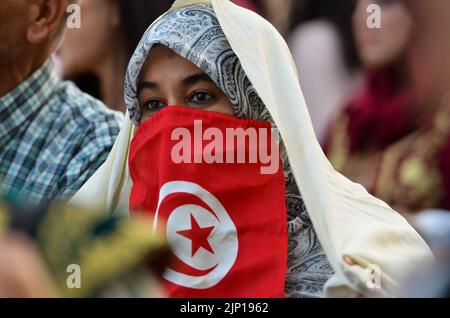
198, 236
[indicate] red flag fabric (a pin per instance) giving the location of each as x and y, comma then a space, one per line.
225, 222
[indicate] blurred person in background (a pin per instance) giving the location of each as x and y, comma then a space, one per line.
53, 137
278, 12
95, 56
429, 60
385, 138
324, 51
254, 5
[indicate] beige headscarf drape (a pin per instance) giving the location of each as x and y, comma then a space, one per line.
348, 221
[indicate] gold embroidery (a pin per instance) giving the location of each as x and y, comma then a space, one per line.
69, 235
405, 174
413, 172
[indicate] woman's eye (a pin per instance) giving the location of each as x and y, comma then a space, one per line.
200, 98
154, 104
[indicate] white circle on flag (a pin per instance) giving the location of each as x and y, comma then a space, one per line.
181, 219
219, 251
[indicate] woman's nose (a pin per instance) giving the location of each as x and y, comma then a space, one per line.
175, 101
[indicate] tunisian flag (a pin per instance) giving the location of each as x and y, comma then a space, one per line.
225, 222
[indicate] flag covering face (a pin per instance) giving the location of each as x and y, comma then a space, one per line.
225, 222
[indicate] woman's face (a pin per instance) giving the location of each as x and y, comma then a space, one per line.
380, 47
85, 48
168, 79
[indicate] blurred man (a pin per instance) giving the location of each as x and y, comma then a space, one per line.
52, 136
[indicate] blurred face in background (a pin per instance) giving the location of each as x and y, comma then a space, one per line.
381, 47
429, 58
84, 49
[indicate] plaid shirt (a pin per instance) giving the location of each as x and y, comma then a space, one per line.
53, 137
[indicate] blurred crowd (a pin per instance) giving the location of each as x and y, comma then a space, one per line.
379, 100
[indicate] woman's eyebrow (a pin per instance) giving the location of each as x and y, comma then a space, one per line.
190, 80
193, 79
144, 84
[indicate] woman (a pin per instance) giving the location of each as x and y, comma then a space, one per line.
95, 56
385, 138
194, 56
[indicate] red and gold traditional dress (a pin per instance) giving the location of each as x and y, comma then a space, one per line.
372, 143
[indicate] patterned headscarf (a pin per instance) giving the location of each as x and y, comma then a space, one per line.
195, 34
